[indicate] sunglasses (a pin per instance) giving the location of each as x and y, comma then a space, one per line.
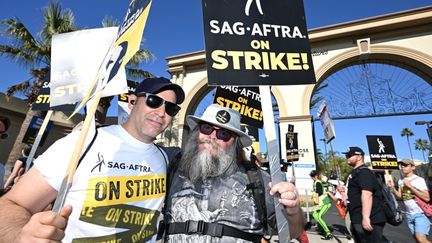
154, 102
221, 133
403, 165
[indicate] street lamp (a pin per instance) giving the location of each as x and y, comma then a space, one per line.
429, 132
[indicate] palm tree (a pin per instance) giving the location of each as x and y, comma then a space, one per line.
34, 53
421, 144
408, 133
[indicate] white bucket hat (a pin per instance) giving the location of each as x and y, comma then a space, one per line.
222, 117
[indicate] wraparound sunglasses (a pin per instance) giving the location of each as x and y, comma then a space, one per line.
154, 102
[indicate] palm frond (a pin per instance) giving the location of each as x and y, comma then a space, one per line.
110, 21
18, 33
21, 88
140, 57
56, 21
138, 74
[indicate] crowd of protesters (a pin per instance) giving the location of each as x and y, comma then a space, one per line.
203, 190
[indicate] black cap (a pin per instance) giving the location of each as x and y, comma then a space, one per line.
353, 151
314, 173
157, 85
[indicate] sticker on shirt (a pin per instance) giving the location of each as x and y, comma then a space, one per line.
108, 203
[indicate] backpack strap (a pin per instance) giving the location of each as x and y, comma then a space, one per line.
88, 148
211, 229
174, 155
256, 185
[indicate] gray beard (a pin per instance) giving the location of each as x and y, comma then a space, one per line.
199, 165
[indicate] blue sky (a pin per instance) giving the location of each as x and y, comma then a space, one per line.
176, 27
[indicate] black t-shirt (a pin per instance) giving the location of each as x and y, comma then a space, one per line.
360, 179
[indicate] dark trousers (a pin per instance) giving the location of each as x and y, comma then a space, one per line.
362, 236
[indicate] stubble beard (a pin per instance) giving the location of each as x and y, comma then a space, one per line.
199, 164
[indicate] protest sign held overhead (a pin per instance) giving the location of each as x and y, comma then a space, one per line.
292, 151
73, 69
257, 42
326, 122
382, 152
127, 43
245, 100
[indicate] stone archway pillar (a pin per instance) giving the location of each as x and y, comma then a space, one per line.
306, 163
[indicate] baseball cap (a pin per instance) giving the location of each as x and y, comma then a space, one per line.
222, 117
353, 151
406, 162
313, 173
158, 84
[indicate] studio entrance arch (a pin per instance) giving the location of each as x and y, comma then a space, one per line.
402, 37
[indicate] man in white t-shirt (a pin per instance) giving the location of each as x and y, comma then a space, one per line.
409, 187
118, 188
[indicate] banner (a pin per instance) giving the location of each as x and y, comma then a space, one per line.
245, 100
127, 43
326, 122
382, 152
33, 129
75, 59
123, 102
255, 42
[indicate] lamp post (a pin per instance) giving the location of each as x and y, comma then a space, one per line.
429, 132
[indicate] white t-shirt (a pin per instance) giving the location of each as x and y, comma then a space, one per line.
117, 191
408, 196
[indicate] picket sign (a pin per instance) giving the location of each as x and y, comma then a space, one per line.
274, 162
126, 45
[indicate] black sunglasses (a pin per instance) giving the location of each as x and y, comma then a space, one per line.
221, 133
3, 135
154, 102
403, 165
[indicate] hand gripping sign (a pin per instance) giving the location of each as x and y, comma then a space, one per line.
126, 44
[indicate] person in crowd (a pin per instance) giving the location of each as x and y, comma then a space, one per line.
323, 201
410, 186
340, 200
364, 200
4, 126
19, 167
211, 198
261, 162
119, 186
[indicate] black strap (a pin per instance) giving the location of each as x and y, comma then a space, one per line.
211, 229
88, 148
256, 184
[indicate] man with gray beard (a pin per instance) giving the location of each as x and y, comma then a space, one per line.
210, 197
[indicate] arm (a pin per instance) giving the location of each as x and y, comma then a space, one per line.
13, 174
289, 197
366, 201
20, 211
422, 194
